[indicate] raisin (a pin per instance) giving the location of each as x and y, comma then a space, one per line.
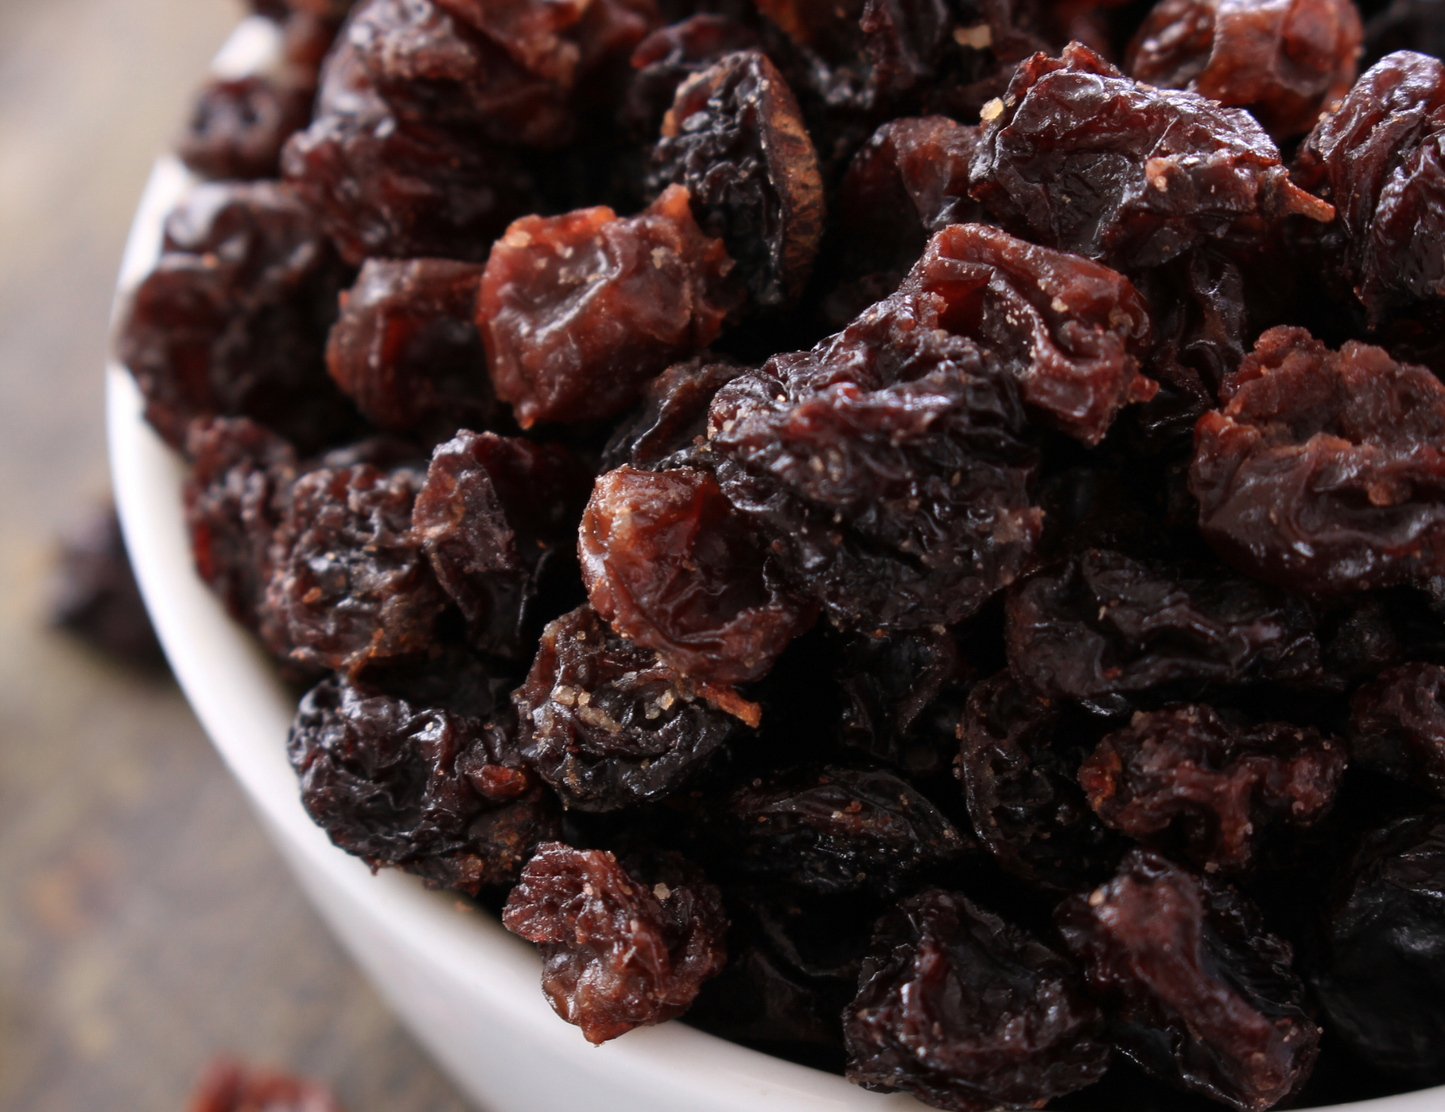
1102, 623
886, 467
827, 831
1072, 331
1216, 787
235, 498
493, 513
669, 56
350, 584
1083, 159
1283, 62
607, 724
1019, 759
909, 181
579, 311
237, 127
672, 566
899, 698
670, 428
1380, 982
93, 594
1397, 725
1321, 473
417, 788
735, 138
232, 1087
382, 187
618, 952
233, 317
1196, 991
968, 1012
1378, 157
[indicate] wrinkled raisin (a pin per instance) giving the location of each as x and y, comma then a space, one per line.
1381, 982
1102, 623
896, 698
406, 350
607, 724
670, 427
618, 951
1084, 159
579, 311
349, 583
493, 512
669, 56
417, 788
233, 317
1019, 760
1282, 61
968, 1012
1217, 787
1397, 725
1322, 472
734, 137
237, 127
672, 566
1196, 991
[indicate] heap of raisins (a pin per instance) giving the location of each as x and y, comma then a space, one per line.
911, 534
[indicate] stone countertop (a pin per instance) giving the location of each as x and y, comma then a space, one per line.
145, 923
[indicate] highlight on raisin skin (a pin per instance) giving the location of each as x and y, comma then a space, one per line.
1397, 725
417, 788
1197, 993
1379, 975
579, 311
607, 725
1080, 158
1184, 776
735, 138
969, 1012
618, 950
1324, 471
1285, 62
1072, 331
493, 514
672, 566
406, 350
1377, 156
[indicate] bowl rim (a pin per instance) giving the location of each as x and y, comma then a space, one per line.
245, 709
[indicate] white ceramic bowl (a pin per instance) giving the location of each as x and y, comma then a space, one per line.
467, 989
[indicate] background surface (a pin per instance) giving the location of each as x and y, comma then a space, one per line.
145, 923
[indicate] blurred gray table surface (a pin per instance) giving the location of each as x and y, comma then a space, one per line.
146, 925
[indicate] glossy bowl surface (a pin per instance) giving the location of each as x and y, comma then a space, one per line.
466, 987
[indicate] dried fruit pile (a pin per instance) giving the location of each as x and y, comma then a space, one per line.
909, 531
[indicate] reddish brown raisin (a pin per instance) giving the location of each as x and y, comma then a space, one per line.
1019, 761
1324, 471
672, 566
233, 317
669, 56
887, 468
968, 1012
670, 428
618, 951
1377, 156
579, 311
1397, 725
1102, 623
1282, 61
1072, 331
350, 584
1196, 991
493, 513
232, 1087
735, 138
237, 127
1084, 159
607, 724
406, 349
417, 788
1185, 775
